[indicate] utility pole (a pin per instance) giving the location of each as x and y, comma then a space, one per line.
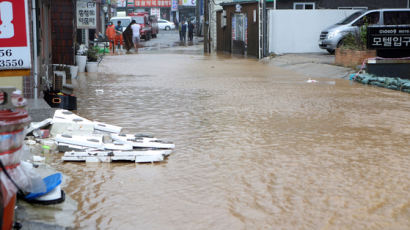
197, 13
207, 48
265, 28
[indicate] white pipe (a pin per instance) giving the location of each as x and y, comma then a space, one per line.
274, 4
35, 73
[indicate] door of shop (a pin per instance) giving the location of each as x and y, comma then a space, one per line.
239, 33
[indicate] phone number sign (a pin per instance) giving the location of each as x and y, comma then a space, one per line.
14, 35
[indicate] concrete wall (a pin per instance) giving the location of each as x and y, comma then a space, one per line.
297, 31
16, 82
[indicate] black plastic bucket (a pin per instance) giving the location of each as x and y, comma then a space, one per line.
62, 101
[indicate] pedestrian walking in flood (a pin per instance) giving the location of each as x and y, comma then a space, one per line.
110, 33
183, 30
191, 27
118, 36
176, 23
180, 31
135, 34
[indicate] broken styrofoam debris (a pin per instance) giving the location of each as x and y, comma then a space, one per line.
30, 142
109, 156
38, 158
117, 146
149, 159
142, 142
311, 81
118, 153
93, 142
67, 122
63, 147
106, 127
38, 125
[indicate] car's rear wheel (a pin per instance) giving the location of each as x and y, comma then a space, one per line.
167, 28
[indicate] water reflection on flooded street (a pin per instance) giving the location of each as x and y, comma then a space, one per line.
256, 148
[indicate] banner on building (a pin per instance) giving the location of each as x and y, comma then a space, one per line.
121, 3
86, 15
174, 5
152, 3
156, 12
14, 35
189, 2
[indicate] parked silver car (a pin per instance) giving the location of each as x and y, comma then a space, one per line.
332, 37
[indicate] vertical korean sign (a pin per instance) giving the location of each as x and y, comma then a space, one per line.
174, 5
86, 15
14, 36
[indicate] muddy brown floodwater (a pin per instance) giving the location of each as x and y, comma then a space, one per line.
256, 148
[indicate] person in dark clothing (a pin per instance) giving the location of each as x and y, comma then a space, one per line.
183, 30
176, 23
190, 31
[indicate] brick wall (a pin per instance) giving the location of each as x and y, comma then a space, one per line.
352, 58
62, 30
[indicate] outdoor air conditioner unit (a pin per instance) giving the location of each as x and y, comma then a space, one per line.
223, 18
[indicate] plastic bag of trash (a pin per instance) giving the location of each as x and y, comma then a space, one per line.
20, 176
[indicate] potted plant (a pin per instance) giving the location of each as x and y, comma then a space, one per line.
92, 58
353, 51
81, 58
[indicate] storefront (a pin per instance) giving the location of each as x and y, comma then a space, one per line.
237, 28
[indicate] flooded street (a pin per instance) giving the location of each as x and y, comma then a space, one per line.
256, 148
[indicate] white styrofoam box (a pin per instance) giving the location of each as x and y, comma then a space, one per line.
149, 158
106, 127
86, 141
67, 122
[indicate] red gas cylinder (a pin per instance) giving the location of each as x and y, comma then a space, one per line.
12, 124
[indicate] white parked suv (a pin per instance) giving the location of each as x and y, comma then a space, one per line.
332, 37
165, 25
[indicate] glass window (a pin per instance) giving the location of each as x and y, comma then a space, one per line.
372, 18
304, 6
299, 7
308, 7
124, 22
350, 18
397, 18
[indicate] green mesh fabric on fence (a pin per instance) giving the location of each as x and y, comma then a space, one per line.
386, 82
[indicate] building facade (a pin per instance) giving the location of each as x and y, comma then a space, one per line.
340, 4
